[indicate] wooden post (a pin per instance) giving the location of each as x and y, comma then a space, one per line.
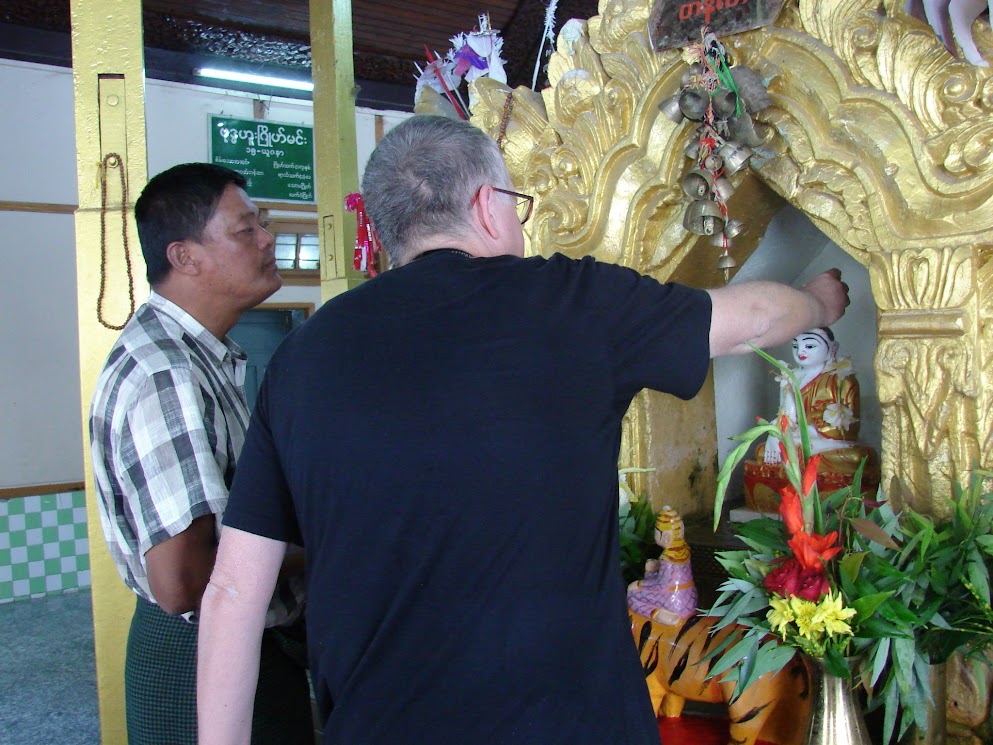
336, 159
108, 74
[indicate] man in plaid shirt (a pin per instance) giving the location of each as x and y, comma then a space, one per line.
167, 423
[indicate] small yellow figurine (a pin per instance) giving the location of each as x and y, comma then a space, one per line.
667, 593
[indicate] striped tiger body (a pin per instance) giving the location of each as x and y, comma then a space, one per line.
774, 709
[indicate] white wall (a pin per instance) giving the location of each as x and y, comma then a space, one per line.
40, 431
794, 251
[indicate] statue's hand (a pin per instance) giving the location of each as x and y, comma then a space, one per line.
652, 566
772, 455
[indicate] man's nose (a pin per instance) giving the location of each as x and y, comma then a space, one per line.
267, 239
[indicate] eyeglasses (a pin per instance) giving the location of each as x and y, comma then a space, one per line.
525, 202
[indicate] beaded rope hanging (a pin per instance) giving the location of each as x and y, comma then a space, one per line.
113, 160
508, 109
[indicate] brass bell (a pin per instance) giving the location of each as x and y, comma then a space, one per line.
721, 240
742, 129
723, 189
754, 95
713, 163
670, 107
692, 151
733, 227
694, 102
695, 71
698, 183
703, 217
726, 261
735, 156
725, 102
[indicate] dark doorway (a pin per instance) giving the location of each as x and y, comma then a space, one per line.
259, 332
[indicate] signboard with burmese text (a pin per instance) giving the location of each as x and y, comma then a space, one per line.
680, 23
276, 158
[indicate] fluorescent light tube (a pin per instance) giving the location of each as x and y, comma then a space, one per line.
247, 77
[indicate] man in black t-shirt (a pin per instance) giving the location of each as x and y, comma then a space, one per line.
443, 442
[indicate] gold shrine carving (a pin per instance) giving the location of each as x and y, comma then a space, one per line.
880, 136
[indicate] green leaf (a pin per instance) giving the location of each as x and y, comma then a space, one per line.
835, 663
979, 578
873, 532
770, 658
748, 603
851, 564
718, 650
880, 659
891, 706
898, 614
876, 628
744, 648
866, 606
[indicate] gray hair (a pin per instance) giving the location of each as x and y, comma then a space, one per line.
421, 177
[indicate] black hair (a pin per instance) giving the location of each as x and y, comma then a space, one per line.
176, 205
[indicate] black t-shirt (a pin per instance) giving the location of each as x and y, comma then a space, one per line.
443, 440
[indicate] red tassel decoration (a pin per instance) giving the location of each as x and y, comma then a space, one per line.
365, 258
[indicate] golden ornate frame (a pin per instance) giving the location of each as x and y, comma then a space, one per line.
879, 135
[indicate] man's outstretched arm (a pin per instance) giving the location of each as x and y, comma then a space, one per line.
232, 619
769, 313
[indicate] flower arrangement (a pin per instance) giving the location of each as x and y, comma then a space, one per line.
876, 596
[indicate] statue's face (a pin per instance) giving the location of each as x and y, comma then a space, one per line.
810, 350
669, 536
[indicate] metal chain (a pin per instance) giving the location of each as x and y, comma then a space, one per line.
113, 160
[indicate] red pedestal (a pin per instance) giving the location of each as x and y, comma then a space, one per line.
696, 730
763, 482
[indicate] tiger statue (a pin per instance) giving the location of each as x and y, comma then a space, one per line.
775, 708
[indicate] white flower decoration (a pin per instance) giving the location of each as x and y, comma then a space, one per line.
839, 415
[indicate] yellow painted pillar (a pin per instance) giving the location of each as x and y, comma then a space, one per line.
108, 74
335, 151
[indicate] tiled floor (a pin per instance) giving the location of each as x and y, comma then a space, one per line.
47, 674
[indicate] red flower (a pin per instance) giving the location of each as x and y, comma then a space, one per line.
812, 550
790, 509
810, 475
784, 424
789, 578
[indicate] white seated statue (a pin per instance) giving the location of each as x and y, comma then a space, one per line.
829, 392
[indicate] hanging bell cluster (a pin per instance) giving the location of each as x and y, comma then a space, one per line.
721, 97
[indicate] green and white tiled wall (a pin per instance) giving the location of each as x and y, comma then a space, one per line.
43, 545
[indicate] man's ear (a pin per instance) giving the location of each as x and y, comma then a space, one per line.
182, 258
485, 212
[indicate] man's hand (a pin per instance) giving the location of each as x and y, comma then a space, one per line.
828, 289
765, 314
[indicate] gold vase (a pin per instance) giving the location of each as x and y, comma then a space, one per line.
835, 713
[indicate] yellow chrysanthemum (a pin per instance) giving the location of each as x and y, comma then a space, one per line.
807, 622
780, 616
833, 616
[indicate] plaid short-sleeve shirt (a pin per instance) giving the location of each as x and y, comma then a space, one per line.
167, 424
